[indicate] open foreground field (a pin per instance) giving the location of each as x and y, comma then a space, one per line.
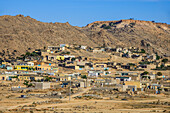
10, 102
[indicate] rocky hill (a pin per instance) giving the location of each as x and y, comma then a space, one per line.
19, 34
153, 37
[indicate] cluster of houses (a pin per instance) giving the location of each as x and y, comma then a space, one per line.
58, 68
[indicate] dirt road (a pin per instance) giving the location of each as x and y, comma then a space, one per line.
78, 102
72, 96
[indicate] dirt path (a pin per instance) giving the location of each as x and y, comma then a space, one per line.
77, 102
77, 94
28, 103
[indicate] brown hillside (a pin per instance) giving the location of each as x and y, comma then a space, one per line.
22, 33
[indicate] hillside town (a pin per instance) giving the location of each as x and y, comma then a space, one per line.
67, 72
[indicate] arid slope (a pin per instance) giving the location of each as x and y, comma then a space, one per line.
22, 33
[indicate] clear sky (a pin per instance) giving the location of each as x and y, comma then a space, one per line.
82, 12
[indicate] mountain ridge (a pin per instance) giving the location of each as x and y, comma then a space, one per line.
129, 20
21, 33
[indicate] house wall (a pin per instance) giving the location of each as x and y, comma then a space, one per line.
3, 77
38, 78
43, 67
42, 85
82, 84
60, 58
97, 51
9, 68
22, 67
133, 83
22, 78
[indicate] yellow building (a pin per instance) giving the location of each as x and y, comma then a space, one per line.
76, 67
23, 67
134, 83
48, 51
4, 63
60, 57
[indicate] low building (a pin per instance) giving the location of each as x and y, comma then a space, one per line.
124, 78
41, 85
9, 68
133, 83
23, 67
6, 77
129, 87
97, 51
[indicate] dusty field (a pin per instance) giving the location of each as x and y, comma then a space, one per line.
96, 106
11, 103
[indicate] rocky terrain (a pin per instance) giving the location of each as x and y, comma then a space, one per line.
19, 34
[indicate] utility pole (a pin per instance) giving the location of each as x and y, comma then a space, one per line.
70, 91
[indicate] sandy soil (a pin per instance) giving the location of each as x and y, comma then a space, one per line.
10, 102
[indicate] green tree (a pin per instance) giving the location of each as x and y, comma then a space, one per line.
132, 24
165, 60
14, 77
145, 73
162, 66
48, 79
44, 47
142, 51
84, 76
28, 54
105, 69
159, 73
107, 27
104, 25
73, 59
157, 57
25, 82
30, 85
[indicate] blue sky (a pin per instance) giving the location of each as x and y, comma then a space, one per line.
83, 12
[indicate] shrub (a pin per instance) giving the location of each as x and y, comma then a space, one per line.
25, 83
81, 66
159, 73
73, 59
33, 54
29, 85
107, 27
142, 51
84, 76
14, 77
132, 23
103, 25
105, 69
112, 24
28, 54
95, 24
145, 73
48, 78
165, 60
157, 57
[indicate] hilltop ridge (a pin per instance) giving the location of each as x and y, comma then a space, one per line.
129, 21
22, 33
